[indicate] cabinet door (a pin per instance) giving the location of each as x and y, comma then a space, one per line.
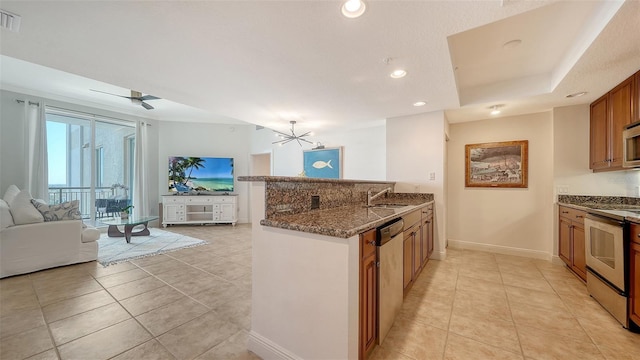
620, 107
634, 295
636, 96
599, 134
173, 212
226, 212
579, 263
430, 239
369, 303
564, 240
407, 263
424, 239
417, 263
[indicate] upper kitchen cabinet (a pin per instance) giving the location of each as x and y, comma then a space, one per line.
609, 115
636, 96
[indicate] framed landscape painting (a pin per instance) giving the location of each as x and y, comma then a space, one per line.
497, 165
323, 163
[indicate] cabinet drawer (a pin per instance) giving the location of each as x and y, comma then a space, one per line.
635, 233
573, 214
226, 199
172, 200
368, 242
199, 200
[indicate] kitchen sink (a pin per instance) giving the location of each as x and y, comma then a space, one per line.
388, 206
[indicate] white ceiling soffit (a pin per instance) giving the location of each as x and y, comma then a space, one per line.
526, 54
36, 80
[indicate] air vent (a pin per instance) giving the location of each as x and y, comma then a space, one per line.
10, 21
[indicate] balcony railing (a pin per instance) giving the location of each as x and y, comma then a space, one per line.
60, 194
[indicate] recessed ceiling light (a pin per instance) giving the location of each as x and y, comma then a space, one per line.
397, 74
578, 94
353, 8
420, 103
512, 44
495, 109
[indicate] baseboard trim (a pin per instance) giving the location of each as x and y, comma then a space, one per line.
505, 250
267, 349
555, 259
439, 255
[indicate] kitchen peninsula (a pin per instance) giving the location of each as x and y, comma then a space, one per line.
306, 257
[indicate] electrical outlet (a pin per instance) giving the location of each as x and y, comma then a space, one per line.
315, 201
432, 176
563, 189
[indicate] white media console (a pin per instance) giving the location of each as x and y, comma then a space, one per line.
199, 209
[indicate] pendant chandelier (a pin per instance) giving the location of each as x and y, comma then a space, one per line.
285, 138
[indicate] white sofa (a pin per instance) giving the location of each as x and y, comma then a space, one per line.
29, 247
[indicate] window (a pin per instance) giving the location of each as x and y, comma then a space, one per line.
99, 166
81, 170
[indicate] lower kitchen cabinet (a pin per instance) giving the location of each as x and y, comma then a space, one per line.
418, 244
368, 293
634, 259
571, 240
427, 234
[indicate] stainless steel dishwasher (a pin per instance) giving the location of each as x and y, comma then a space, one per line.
390, 293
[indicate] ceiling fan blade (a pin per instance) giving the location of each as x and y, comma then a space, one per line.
146, 106
104, 92
149, 97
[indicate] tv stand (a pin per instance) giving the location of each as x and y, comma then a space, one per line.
199, 209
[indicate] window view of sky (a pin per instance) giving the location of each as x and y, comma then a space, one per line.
56, 151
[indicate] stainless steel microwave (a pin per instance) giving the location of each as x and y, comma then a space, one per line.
631, 145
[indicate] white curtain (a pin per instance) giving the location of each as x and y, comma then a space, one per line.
36, 151
141, 172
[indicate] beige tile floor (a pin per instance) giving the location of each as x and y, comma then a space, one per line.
195, 304
478, 305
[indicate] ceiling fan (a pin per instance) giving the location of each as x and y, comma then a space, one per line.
290, 137
136, 98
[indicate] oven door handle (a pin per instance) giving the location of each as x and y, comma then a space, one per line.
604, 219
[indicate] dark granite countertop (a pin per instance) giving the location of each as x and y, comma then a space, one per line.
619, 208
345, 221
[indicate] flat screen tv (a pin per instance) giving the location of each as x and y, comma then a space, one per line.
200, 174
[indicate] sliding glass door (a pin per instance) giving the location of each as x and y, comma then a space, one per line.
90, 160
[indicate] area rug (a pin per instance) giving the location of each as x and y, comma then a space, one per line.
112, 250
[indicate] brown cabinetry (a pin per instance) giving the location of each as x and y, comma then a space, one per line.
571, 240
418, 243
368, 293
636, 96
427, 234
608, 117
634, 260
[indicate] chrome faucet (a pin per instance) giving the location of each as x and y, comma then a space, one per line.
377, 195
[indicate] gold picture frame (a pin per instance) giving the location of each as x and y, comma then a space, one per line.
497, 164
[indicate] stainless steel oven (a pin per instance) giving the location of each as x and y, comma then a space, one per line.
631, 145
607, 264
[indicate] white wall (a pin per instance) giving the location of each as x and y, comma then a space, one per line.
363, 151
571, 158
517, 221
416, 149
207, 140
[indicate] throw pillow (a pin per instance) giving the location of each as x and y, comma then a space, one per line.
69, 210
22, 210
6, 219
11, 193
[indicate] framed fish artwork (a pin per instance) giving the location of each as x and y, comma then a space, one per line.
323, 163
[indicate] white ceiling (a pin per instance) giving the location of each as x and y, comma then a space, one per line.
267, 62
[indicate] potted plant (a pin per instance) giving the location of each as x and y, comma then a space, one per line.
124, 212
